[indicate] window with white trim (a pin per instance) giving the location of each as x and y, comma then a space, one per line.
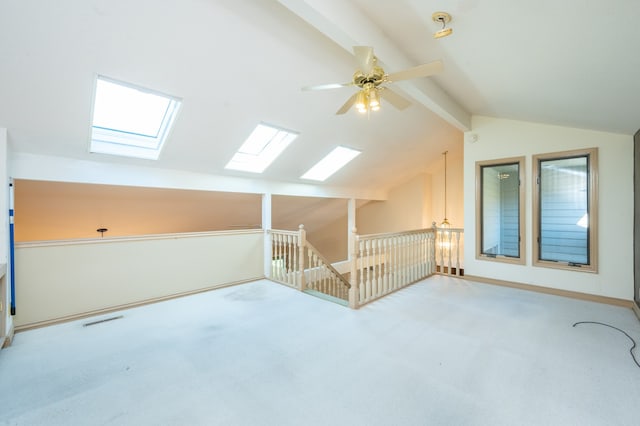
129, 120
261, 148
500, 210
565, 210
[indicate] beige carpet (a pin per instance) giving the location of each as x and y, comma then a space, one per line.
442, 352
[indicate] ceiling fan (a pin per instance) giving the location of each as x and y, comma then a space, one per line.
372, 81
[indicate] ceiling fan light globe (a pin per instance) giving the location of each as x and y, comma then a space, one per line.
374, 99
361, 101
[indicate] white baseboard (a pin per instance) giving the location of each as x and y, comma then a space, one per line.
554, 291
8, 338
39, 324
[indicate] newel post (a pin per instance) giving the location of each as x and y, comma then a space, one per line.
302, 243
354, 291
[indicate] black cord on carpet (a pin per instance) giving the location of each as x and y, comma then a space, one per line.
621, 331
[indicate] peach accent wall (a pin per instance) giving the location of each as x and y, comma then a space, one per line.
408, 207
62, 210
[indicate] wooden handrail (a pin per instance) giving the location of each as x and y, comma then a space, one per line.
327, 264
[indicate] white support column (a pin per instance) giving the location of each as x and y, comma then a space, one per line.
354, 291
266, 226
351, 224
302, 243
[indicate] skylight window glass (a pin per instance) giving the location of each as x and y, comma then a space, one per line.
259, 139
261, 148
334, 161
129, 120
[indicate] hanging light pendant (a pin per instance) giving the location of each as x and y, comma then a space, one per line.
445, 223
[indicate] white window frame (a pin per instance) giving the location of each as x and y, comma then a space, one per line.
128, 144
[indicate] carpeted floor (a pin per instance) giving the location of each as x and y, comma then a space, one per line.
442, 352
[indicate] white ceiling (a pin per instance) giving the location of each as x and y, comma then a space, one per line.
238, 62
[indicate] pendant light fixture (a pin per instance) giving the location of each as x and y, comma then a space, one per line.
445, 223
442, 18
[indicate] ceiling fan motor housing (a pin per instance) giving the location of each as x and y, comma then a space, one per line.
375, 77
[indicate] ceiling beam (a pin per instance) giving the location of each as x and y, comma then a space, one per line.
347, 26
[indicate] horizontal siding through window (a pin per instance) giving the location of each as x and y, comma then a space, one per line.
564, 202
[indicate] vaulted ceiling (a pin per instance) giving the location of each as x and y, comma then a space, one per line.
236, 63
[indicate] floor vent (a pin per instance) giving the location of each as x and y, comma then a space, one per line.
101, 321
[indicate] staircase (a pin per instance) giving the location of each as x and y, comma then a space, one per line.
379, 263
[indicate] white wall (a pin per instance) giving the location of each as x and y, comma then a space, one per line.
63, 279
59, 169
4, 231
499, 138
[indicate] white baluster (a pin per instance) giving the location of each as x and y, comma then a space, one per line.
368, 270
276, 249
361, 286
294, 261
449, 235
458, 253
405, 263
419, 255
385, 265
354, 292
414, 258
423, 255
372, 268
394, 275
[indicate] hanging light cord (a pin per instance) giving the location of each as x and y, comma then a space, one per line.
445, 183
621, 331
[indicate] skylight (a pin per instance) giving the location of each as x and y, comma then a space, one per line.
263, 145
130, 121
330, 164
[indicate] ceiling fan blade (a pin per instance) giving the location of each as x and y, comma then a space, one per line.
327, 86
394, 98
364, 56
347, 105
423, 70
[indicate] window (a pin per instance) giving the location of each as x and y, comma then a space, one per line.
565, 210
263, 145
130, 121
331, 163
500, 210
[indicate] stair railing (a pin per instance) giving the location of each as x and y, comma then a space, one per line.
384, 263
380, 263
297, 263
324, 278
287, 258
